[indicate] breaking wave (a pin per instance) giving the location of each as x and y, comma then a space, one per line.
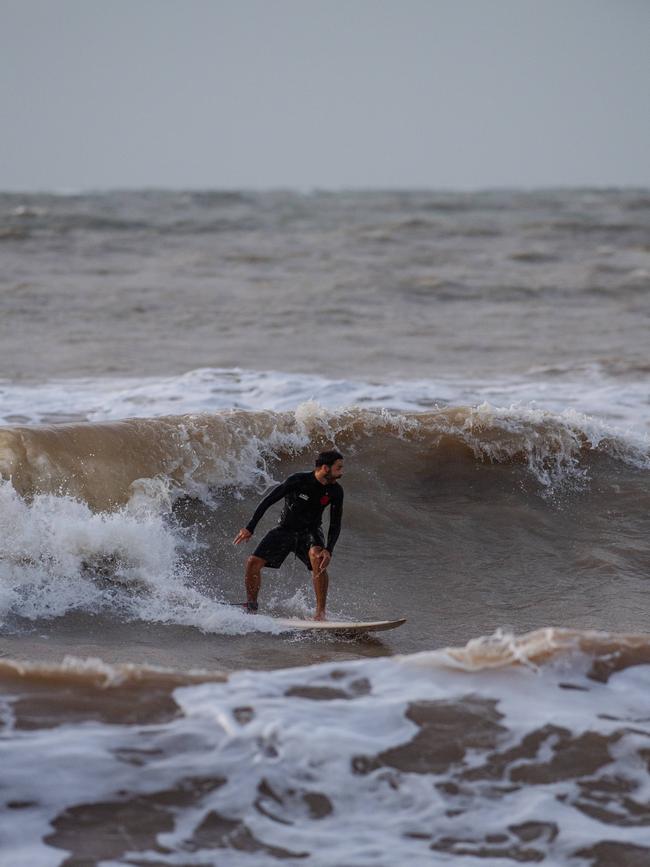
102, 464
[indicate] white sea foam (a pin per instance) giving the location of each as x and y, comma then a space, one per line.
555, 455
299, 773
588, 391
55, 550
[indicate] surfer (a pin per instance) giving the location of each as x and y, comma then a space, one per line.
306, 496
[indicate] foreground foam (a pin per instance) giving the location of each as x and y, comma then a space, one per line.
382, 761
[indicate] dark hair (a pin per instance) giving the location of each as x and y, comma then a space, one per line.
328, 458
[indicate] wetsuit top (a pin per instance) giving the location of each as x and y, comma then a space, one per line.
305, 500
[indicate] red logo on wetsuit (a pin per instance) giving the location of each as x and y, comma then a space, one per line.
324, 500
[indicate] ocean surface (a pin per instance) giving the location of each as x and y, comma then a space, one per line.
482, 360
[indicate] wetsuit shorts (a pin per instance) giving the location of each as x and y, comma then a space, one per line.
278, 543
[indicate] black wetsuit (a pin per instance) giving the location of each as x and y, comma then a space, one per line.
300, 525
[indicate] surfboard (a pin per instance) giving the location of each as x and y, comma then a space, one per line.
338, 627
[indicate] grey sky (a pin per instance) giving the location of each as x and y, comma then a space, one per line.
326, 93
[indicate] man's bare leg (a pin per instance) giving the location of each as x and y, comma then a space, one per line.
321, 583
253, 577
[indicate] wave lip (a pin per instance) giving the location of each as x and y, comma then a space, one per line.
609, 652
92, 671
100, 463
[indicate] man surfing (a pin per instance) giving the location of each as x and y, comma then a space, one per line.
306, 496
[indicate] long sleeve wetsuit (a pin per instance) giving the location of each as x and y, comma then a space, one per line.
305, 500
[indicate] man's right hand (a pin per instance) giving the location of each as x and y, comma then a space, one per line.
243, 536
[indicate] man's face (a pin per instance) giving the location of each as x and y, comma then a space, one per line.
335, 471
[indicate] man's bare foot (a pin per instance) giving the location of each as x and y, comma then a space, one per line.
320, 615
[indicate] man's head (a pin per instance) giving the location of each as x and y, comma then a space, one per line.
329, 465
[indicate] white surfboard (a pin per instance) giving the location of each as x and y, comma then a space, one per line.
348, 627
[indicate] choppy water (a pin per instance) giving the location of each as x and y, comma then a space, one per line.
336, 284
482, 361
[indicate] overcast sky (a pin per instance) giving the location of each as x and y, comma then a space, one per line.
324, 93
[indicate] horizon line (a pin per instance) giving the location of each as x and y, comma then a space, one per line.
317, 188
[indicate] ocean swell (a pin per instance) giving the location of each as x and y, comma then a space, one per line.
99, 463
